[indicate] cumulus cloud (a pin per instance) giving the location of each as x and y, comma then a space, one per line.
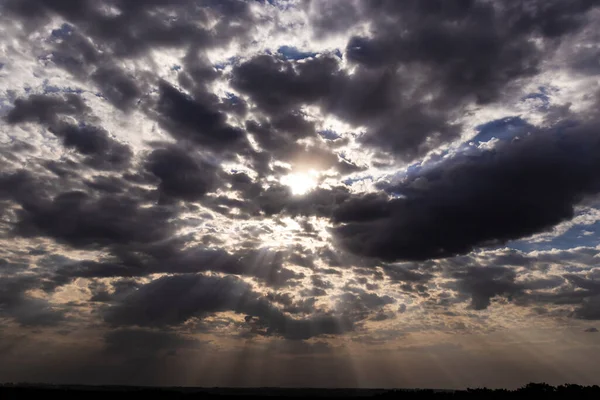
173, 300
516, 189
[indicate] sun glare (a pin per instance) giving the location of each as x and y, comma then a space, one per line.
301, 182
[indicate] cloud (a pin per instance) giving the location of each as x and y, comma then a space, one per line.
25, 309
399, 273
484, 283
195, 120
100, 150
517, 189
45, 109
590, 307
83, 221
181, 175
366, 98
173, 300
179, 256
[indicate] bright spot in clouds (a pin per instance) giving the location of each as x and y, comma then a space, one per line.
301, 182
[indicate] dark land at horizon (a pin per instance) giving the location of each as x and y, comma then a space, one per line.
29, 391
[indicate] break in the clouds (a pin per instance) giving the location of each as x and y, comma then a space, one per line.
229, 192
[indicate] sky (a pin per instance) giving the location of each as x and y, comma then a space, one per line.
324, 193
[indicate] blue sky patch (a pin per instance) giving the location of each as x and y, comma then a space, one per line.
329, 134
503, 129
230, 61
64, 31
292, 53
541, 95
577, 235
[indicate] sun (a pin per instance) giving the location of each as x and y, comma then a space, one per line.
301, 182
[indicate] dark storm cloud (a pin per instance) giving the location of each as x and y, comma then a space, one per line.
196, 120
146, 343
279, 86
136, 27
96, 34
116, 86
405, 273
359, 301
85, 221
367, 97
171, 301
525, 283
590, 308
52, 199
77, 54
24, 309
469, 48
320, 283
443, 55
105, 184
181, 174
94, 143
180, 256
101, 151
584, 291
514, 190
363, 305
484, 283
45, 109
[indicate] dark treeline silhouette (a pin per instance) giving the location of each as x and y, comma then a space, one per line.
64, 392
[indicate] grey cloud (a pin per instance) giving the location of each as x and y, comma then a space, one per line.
44, 109
446, 55
515, 190
181, 174
364, 98
179, 256
101, 151
360, 303
471, 48
170, 301
485, 279
91, 40
94, 143
278, 86
403, 273
196, 120
484, 283
590, 307
23, 308
82, 220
